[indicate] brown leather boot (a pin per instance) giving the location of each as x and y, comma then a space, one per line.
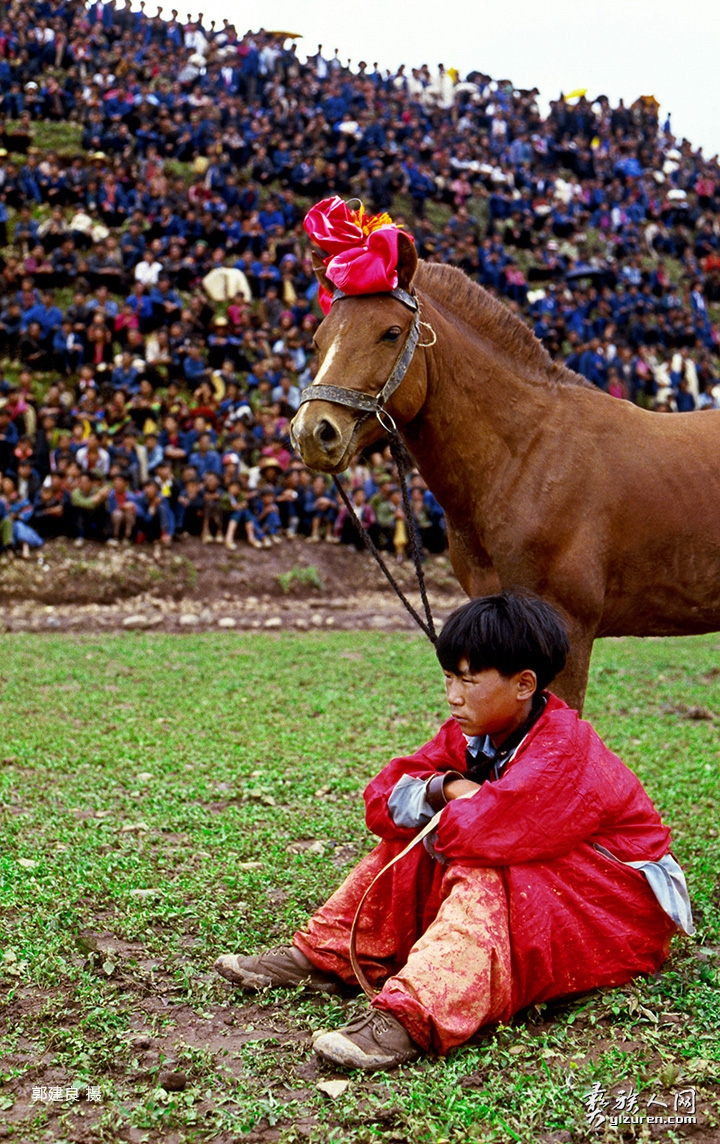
374, 1041
286, 967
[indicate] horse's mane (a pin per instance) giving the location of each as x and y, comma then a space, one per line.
477, 308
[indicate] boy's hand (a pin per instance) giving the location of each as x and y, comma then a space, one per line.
459, 788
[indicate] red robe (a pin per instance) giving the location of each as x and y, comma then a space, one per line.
521, 908
577, 919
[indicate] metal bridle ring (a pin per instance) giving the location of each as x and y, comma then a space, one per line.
388, 423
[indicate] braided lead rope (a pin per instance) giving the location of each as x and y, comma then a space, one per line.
368, 542
398, 452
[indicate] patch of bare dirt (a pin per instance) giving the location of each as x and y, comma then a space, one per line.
192, 587
168, 1047
172, 1047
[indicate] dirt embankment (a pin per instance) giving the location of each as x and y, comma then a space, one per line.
196, 587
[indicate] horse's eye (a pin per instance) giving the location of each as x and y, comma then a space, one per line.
392, 334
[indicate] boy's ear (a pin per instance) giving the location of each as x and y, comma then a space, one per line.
527, 684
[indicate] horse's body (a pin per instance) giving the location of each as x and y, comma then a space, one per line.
608, 511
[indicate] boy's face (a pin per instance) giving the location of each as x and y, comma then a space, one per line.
488, 703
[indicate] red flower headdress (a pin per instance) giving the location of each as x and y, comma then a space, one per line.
361, 249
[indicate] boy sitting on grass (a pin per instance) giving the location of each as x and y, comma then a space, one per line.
548, 872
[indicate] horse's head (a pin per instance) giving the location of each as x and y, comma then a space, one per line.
360, 343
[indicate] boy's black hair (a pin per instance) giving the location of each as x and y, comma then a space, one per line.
510, 632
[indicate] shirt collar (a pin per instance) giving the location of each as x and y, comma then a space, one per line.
480, 745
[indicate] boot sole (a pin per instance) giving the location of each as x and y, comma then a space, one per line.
339, 1050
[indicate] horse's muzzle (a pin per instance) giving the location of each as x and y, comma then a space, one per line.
320, 440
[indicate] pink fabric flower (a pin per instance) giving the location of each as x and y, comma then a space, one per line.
362, 251
324, 300
370, 268
330, 226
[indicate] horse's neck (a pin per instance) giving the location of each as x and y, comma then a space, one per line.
481, 405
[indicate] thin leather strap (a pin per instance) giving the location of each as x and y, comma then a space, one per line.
363, 982
365, 985
401, 295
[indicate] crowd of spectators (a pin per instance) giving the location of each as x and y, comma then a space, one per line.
157, 301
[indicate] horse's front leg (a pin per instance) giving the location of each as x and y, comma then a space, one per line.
571, 683
479, 577
473, 568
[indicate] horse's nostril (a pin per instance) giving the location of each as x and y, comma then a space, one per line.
326, 432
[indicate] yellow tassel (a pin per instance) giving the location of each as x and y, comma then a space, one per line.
369, 223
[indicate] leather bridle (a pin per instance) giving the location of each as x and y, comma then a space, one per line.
374, 406
368, 404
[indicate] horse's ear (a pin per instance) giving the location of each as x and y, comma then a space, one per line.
319, 268
407, 261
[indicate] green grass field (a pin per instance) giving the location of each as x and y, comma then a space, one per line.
168, 798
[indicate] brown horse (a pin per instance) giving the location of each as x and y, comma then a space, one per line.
610, 512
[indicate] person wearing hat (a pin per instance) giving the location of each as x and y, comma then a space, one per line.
270, 470
221, 345
231, 467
